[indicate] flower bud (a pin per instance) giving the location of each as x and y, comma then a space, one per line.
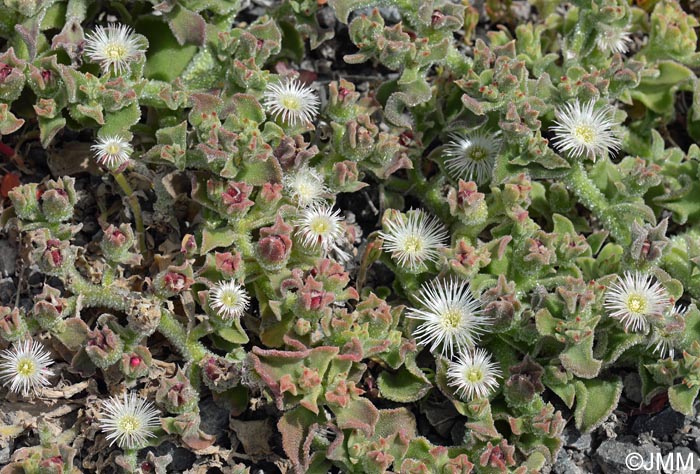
293, 152
48, 307
275, 245
302, 327
231, 198
52, 255
52, 465
230, 265
117, 242
525, 381
58, 200
468, 204
270, 194
25, 200
143, 317
358, 140
12, 324
219, 373
176, 394
342, 100
174, 280
104, 347
135, 363
188, 247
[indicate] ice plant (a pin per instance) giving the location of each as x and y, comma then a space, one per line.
471, 156
113, 47
667, 333
635, 299
321, 227
305, 186
129, 420
450, 316
413, 239
24, 367
291, 100
112, 151
583, 130
229, 299
615, 40
473, 374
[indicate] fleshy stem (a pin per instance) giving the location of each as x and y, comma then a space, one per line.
119, 299
135, 209
590, 196
192, 350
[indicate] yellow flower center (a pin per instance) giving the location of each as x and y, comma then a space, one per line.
129, 424
26, 368
320, 226
112, 149
115, 51
452, 318
584, 133
474, 375
477, 154
290, 102
413, 244
636, 303
229, 299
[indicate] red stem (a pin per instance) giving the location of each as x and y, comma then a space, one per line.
6, 150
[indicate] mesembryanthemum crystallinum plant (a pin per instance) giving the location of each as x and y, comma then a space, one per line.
461, 215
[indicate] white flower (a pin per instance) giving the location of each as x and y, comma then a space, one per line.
320, 226
613, 39
24, 367
581, 130
292, 100
471, 156
473, 374
112, 151
450, 317
229, 299
129, 420
668, 333
414, 238
635, 299
114, 47
305, 186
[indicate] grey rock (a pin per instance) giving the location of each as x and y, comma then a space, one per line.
183, 459
8, 289
574, 439
662, 424
214, 418
612, 454
565, 465
8, 257
682, 457
6, 451
633, 387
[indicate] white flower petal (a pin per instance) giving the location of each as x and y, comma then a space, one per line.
471, 156
112, 151
473, 374
291, 100
229, 299
113, 47
581, 130
129, 420
451, 317
413, 239
24, 367
634, 299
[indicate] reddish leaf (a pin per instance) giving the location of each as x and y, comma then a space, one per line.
8, 182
